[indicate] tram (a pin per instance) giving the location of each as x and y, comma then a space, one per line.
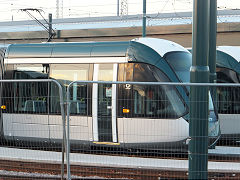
129, 116
228, 99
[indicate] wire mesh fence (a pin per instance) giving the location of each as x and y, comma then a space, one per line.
33, 121
146, 125
131, 130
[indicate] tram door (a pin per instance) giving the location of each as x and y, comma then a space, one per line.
104, 103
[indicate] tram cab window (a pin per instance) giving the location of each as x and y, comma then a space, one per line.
30, 97
228, 99
65, 74
155, 101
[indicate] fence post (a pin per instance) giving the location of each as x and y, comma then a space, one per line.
68, 133
64, 125
198, 125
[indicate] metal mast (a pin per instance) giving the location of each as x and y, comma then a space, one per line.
117, 7
124, 7
198, 125
57, 9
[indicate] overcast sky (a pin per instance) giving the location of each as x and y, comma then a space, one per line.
10, 9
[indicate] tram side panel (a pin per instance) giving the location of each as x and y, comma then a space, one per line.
26, 113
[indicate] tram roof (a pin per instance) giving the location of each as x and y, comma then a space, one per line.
88, 49
228, 57
68, 49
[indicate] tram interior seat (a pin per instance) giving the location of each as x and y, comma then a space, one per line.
76, 107
37, 106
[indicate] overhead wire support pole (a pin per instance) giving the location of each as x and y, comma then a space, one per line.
213, 41
50, 30
212, 47
144, 19
198, 124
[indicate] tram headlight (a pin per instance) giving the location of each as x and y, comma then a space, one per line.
126, 111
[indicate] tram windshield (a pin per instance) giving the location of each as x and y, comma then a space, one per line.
181, 63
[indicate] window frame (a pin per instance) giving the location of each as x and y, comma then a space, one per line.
89, 71
34, 103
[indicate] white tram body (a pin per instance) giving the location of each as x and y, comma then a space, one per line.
96, 116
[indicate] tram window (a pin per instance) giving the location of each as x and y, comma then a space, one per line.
30, 97
155, 101
228, 97
65, 74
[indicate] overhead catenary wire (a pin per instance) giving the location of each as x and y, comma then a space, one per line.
107, 8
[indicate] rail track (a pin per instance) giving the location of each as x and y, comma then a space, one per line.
36, 170
29, 169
